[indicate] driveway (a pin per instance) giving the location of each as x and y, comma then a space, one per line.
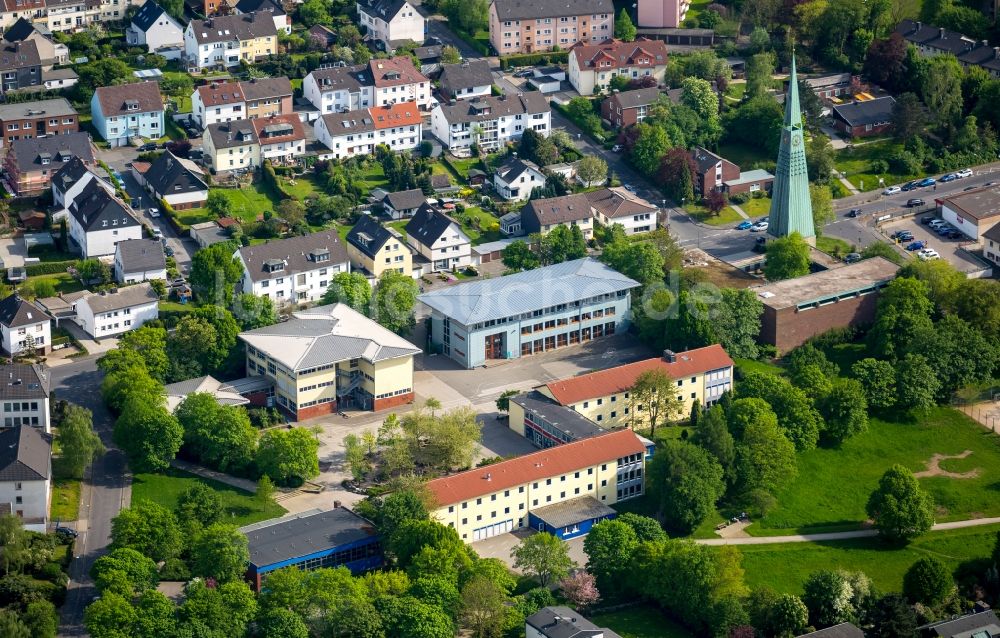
183, 247
12, 252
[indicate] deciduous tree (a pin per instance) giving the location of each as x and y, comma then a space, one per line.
220, 552
878, 380
787, 258
686, 482
394, 299
483, 607
214, 273
518, 256
928, 581
148, 434
351, 288
652, 397
543, 556
845, 410
899, 507
79, 444
288, 456
580, 589
148, 528
609, 547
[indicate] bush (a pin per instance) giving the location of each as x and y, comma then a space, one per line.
739, 198
48, 268
175, 569
53, 572
534, 59
270, 179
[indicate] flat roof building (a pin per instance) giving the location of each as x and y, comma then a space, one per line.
797, 309
972, 212
529, 312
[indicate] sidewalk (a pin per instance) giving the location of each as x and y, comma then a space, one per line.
739, 211
836, 536
240, 483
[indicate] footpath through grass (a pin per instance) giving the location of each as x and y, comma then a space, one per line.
241, 508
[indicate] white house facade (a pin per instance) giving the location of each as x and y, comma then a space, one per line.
491, 122
439, 239
294, 270
107, 314
24, 396
23, 326
25, 475
391, 22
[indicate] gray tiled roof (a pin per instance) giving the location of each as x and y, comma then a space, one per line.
25, 454
465, 75
368, 235
260, 88
539, 213
244, 26
511, 295
94, 207
428, 224
23, 381
637, 97
296, 253
563, 622
342, 78
232, 134
528, 9
934, 37
147, 15
984, 623
127, 297
843, 630
16, 312
511, 170
559, 417
491, 107
19, 55
57, 149
875, 111
405, 200
249, 6
115, 100
384, 9
298, 535
140, 255
170, 175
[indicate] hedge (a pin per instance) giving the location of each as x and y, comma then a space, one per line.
534, 59
271, 179
48, 268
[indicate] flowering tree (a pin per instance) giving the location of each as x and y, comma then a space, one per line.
580, 589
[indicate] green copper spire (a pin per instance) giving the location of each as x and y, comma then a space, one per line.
791, 208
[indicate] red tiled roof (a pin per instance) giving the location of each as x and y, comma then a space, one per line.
219, 93
613, 380
390, 115
622, 54
395, 72
141, 167
285, 121
554, 461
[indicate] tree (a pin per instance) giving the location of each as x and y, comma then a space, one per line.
795, 413
640, 260
973, 301
408, 617
624, 29
543, 556
503, 401
700, 97
686, 481
765, 458
450, 55
609, 547
879, 249
759, 70
942, 92
41, 619
885, 63
899, 508
227, 609
151, 344
676, 171
909, 117
214, 273
580, 590
111, 616
819, 166
288, 456
220, 435
756, 122
139, 570
192, 347
928, 581
282, 623
822, 204
592, 170
651, 144
904, 311
220, 552
736, 322
518, 256
713, 435
483, 607
829, 597
254, 311
715, 201
653, 394
148, 528
845, 410
916, 383
351, 288
397, 508
218, 203
442, 441
787, 258
788, 616
13, 543
878, 380
199, 503
395, 297
958, 352
78, 443
893, 617
148, 434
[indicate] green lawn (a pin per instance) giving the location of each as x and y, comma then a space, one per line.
757, 207
832, 245
752, 365
746, 157
786, 566
640, 622
725, 217
62, 281
174, 306
65, 505
855, 164
240, 507
735, 90
480, 235
374, 177
246, 204
833, 485
303, 187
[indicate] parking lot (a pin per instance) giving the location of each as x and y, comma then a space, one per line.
951, 250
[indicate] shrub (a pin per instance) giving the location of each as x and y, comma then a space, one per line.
175, 569
48, 268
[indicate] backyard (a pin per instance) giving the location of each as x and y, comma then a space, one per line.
245, 204
701, 214
855, 164
642, 621
241, 508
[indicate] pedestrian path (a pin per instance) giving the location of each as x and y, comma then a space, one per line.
241, 483
836, 536
739, 211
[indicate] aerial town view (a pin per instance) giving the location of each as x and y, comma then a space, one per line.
499, 318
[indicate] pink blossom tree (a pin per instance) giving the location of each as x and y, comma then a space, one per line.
580, 589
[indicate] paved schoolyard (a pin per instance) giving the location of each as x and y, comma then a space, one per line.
499, 547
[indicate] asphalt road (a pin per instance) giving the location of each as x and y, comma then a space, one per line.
184, 247
101, 500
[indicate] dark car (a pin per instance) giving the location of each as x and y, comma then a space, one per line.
196, 154
902, 235
943, 229
926, 219
146, 148
909, 186
917, 245
929, 181
855, 212
912, 203
852, 258
66, 532
950, 177
954, 233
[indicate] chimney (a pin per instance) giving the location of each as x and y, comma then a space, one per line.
669, 356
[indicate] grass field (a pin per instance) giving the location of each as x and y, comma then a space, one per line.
640, 622
65, 505
746, 157
245, 204
240, 507
303, 187
63, 282
855, 164
725, 217
786, 566
833, 485
751, 365
757, 207
832, 245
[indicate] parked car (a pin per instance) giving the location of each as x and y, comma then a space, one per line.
196, 154
66, 532
629, 188
943, 229
744, 225
917, 245
168, 251
154, 212
147, 147
892, 190
927, 181
902, 235
955, 233
759, 227
908, 186
936, 223
851, 258
928, 254
950, 177
965, 172
854, 212
913, 203
617, 148
527, 73
927, 219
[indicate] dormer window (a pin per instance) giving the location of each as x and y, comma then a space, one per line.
274, 265
320, 255
131, 105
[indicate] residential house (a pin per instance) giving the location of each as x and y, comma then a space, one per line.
124, 112
207, 234
226, 41
231, 146
510, 224
380, 82
798, 309
218, 102
982, 55
438, 239
154, 28
352, 133
533, 26
516, 178
24, 396
374, 249
398, 125
282, 138
830, 87
282, 21
177, 181
842, 630
491, 122
982, 623
529, 312
429, 57
20, 65
25, 476
109, 313
138, 260
329, 358
662, 14
391, 23
295, 270
592, 66
267, 96
98, 220
616, 205
563, 622
991, 244
324, 37
974, 212
864, 118
23, 326
403, 204
310, 540
565, 485
50, 52
465, 80
31, 163
542, 215
41, 118
68, 182
714, 173
58, 79
629, 107
931, 41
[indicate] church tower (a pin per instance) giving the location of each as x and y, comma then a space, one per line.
791, 208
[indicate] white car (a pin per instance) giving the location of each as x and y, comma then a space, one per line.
759, 227
154, 212
892, 190
928, 254
965, 172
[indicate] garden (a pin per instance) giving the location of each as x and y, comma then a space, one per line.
864, 163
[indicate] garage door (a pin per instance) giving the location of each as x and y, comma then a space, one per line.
492, 530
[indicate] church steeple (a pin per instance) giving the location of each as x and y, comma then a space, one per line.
791, 208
